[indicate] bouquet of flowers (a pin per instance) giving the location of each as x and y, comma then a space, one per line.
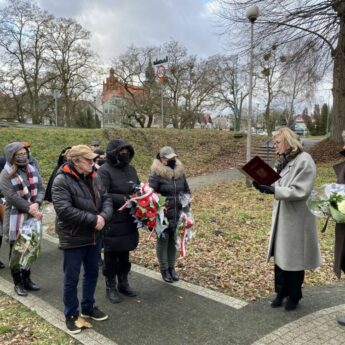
27, 246
148, 209
185, 224
328, 201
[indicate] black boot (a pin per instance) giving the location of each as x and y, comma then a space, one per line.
18, 284
166, 276
278, 301
124, 287
173, 274
27, 282
111, 290
291, 304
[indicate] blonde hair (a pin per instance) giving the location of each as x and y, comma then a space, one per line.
290, 138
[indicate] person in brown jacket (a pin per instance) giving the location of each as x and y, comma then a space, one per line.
339, 247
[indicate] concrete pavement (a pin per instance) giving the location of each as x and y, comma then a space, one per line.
184, 314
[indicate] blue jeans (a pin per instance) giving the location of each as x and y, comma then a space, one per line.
73, 259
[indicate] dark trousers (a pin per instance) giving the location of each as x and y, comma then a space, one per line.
116, 263
288, 283
166, 250
73, 259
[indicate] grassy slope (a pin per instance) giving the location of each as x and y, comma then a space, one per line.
202, 151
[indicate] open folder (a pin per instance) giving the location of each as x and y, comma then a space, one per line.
258, 170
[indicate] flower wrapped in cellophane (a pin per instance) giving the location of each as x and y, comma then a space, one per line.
27, 246
328, 201
148, 209
185, 224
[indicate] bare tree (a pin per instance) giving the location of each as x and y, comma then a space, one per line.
23, 42
135, 74
186, 89
73, 65
231, 90
300, 76
286, 21
190, 84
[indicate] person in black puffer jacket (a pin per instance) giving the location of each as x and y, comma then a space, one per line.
120, 236
82, 209
168, 179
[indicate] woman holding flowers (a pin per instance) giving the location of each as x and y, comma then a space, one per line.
120, 236
22, 187
167, 178
293, 238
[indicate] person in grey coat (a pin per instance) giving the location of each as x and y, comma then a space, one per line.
22, 187
293, 239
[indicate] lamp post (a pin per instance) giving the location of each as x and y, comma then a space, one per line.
252, 14
56, 95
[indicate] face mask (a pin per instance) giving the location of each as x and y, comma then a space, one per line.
21, 161
124, 158
171, 164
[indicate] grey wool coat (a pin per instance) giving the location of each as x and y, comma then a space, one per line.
293, 240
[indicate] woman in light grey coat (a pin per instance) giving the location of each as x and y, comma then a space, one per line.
293, 240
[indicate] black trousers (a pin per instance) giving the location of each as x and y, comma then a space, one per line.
288, 283
116, 263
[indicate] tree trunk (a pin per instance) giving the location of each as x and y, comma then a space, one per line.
338, 114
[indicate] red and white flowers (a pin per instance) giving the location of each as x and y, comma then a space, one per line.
148, 209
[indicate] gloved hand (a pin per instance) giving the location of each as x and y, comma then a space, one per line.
263, 188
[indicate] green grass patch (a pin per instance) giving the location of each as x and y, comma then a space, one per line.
20, 325
201, 151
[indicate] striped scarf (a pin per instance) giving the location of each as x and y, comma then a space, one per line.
28, 193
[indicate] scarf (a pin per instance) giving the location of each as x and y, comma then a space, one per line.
28, 193
285, 158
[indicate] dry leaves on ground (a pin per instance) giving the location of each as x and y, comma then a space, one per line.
229, 251
20, 326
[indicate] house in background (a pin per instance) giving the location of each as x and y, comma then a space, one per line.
299, 126
113, 96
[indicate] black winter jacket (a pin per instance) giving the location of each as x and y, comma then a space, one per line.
77, 209
119, 179
170, 183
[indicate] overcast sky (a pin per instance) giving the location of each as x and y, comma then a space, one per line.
115, 24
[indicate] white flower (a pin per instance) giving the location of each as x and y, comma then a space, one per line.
341, 206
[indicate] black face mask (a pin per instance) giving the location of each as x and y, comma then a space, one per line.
171, 164
124, 158
21, 161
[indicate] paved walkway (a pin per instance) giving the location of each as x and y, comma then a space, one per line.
185, 314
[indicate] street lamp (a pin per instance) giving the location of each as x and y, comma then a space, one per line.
253, 13
56, 95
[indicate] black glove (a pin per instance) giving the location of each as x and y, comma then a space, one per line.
263, 188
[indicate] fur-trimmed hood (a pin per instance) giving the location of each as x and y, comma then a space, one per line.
166, 172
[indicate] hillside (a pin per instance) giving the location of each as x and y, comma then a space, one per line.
202, 151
